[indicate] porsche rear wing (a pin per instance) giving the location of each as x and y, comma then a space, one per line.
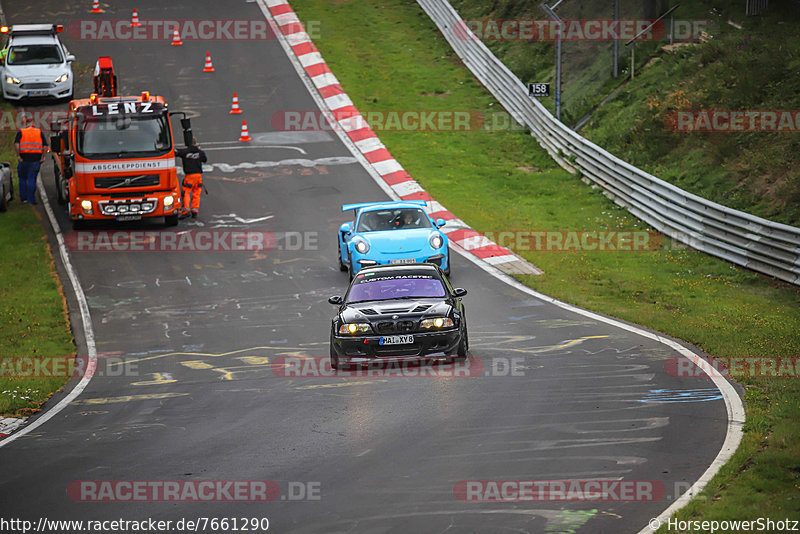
390, 203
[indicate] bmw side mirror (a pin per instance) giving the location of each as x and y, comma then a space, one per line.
459, 292
440, 223
336, 300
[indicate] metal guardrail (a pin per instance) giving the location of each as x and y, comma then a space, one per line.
746, 240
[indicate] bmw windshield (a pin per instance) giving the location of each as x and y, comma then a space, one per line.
122, 135
375, 287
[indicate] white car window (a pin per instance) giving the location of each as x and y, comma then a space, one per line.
44, 54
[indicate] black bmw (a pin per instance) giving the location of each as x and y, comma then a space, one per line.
398, 311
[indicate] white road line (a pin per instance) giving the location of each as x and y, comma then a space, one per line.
86, 319
733, 404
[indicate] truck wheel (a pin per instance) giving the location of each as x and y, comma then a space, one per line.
3, 205
59, 193
171, 220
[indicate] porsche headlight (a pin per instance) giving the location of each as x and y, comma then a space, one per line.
12, 80
63, 78
362, 246
437, 241
436, 322
354, 328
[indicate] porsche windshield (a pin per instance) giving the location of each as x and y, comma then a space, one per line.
43, 54
121, 136
393, 219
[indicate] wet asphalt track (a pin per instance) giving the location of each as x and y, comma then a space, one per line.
201, 399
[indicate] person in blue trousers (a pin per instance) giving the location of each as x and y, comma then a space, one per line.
31, 146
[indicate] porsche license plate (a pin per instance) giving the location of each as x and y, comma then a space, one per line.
402, 260
129, 217
396, 340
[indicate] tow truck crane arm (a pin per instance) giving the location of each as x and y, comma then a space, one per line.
105, 81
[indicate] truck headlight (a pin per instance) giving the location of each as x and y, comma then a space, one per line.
86, 205
168, 202
12, 80
63, 78
437, 241
362, 246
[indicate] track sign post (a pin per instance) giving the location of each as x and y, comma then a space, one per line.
538, 90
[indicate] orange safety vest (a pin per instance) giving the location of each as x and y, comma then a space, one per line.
31, 141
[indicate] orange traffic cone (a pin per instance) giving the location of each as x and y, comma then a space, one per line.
96, 7
135, 19
209, 67
245, 136
235, 110
176, 38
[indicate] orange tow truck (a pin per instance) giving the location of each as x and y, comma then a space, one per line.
114, 156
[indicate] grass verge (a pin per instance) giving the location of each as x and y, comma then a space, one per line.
744, 67
389, 57
33, 316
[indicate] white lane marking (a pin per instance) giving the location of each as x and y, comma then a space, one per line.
226, 167
86, 319
733, 404
256, 146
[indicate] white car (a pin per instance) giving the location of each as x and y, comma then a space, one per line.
35, 64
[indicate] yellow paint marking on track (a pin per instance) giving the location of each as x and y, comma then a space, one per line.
341, 384
126, 398
196, 364
573, 342
158, 379
206, 354
254, 360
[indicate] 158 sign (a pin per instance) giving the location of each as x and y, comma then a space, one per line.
538, 89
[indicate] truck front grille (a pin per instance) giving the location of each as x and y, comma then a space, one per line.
113, 182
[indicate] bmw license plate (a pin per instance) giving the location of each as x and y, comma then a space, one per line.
402, 260
396, 340
129, 217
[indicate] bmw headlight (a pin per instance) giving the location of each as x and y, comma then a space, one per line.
362, 246
436, 322
63, 78
12, 80
354, 328
437, 241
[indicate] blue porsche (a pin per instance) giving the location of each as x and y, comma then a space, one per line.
387, 233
